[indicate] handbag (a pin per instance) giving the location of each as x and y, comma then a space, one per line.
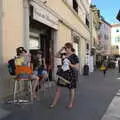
62, 81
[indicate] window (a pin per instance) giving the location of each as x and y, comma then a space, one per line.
87, 21
34, 43
105, 37
34, 40
117, 39
75, 5
94, 41
117, 30
117, 47
87, 46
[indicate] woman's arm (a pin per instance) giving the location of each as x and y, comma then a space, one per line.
58, 54
76, 66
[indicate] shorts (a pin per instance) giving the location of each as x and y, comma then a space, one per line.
40, 73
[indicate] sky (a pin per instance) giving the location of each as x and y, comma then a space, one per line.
108, 9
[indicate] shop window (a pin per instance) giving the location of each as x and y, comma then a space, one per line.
34, 43
75, 5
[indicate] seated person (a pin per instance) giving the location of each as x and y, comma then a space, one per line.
39, 71
23, 58
22, 63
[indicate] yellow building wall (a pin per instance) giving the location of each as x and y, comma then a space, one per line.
82, 52
63, 36
71, 19
12, 27
12, 37
61, 8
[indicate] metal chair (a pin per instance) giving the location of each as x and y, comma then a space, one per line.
45, 85
22, 74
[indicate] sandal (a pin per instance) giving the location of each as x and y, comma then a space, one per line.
34, 96
70, 106
51, 106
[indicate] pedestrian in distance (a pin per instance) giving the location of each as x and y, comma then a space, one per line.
103, 67
67, 75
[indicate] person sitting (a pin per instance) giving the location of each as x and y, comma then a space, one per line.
23, 58
39, 71
22, 63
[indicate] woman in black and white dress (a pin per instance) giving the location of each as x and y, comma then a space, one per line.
68, 72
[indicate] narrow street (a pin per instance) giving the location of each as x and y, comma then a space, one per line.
93, 97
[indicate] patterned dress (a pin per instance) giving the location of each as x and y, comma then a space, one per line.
70, 75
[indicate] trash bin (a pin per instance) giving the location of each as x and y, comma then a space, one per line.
86, 70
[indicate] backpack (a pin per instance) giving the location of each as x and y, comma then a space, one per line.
11, 66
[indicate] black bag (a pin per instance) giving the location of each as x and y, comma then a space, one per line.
11, 66
61, 78
86, 70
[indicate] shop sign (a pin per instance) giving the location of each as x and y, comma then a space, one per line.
41, 14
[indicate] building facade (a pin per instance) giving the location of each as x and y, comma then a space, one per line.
95, 29
115, 39
40, 24
105, 37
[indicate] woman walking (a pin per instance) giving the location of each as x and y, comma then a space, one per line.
68, 72
104, 67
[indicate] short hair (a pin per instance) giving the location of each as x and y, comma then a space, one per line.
70, 45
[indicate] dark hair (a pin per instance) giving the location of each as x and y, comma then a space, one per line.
39, 52
19, 50
69, 45
73, 50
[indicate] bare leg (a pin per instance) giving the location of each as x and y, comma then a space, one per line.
43, 78
104, 72
35, 83
56, 98
72, 97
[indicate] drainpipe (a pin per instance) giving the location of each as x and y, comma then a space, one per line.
26, 24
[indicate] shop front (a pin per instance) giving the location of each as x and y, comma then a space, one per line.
43, 26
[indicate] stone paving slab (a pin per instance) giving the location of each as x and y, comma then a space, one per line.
3, 113
113, 111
